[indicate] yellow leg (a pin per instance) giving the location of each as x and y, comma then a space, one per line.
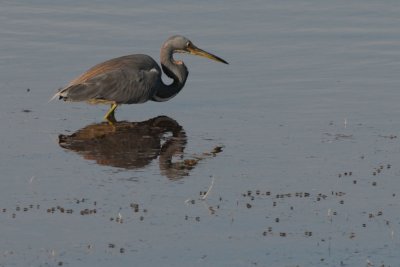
110, 114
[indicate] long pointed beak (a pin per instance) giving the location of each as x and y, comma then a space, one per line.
199, 52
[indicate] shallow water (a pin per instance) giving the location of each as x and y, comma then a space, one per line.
306, 114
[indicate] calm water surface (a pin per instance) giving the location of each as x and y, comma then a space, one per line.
306, 113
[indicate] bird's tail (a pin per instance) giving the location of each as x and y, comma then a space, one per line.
58, 94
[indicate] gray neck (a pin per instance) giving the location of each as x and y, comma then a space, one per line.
174, 70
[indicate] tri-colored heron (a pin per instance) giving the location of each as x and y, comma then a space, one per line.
134, 79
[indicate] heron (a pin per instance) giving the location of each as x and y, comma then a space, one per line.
134, 79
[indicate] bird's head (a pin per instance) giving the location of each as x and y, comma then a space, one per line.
180, 44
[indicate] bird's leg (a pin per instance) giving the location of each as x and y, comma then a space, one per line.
110, 114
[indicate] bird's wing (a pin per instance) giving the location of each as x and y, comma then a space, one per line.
122, 86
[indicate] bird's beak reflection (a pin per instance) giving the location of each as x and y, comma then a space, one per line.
194, 50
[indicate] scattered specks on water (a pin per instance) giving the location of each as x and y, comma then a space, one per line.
252, 195
349, 173
391, 136
135, 207
119, 219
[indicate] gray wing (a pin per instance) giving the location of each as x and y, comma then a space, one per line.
122, 86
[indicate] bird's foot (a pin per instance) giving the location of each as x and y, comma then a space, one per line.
110, 119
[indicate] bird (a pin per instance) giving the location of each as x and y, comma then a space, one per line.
134, 79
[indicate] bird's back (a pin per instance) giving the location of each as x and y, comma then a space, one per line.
123, 80
132, 62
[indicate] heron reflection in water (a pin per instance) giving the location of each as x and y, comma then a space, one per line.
133, 145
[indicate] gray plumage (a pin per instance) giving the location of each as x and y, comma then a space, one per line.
134, 78
126, 83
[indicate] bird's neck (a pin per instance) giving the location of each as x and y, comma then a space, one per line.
176, 70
